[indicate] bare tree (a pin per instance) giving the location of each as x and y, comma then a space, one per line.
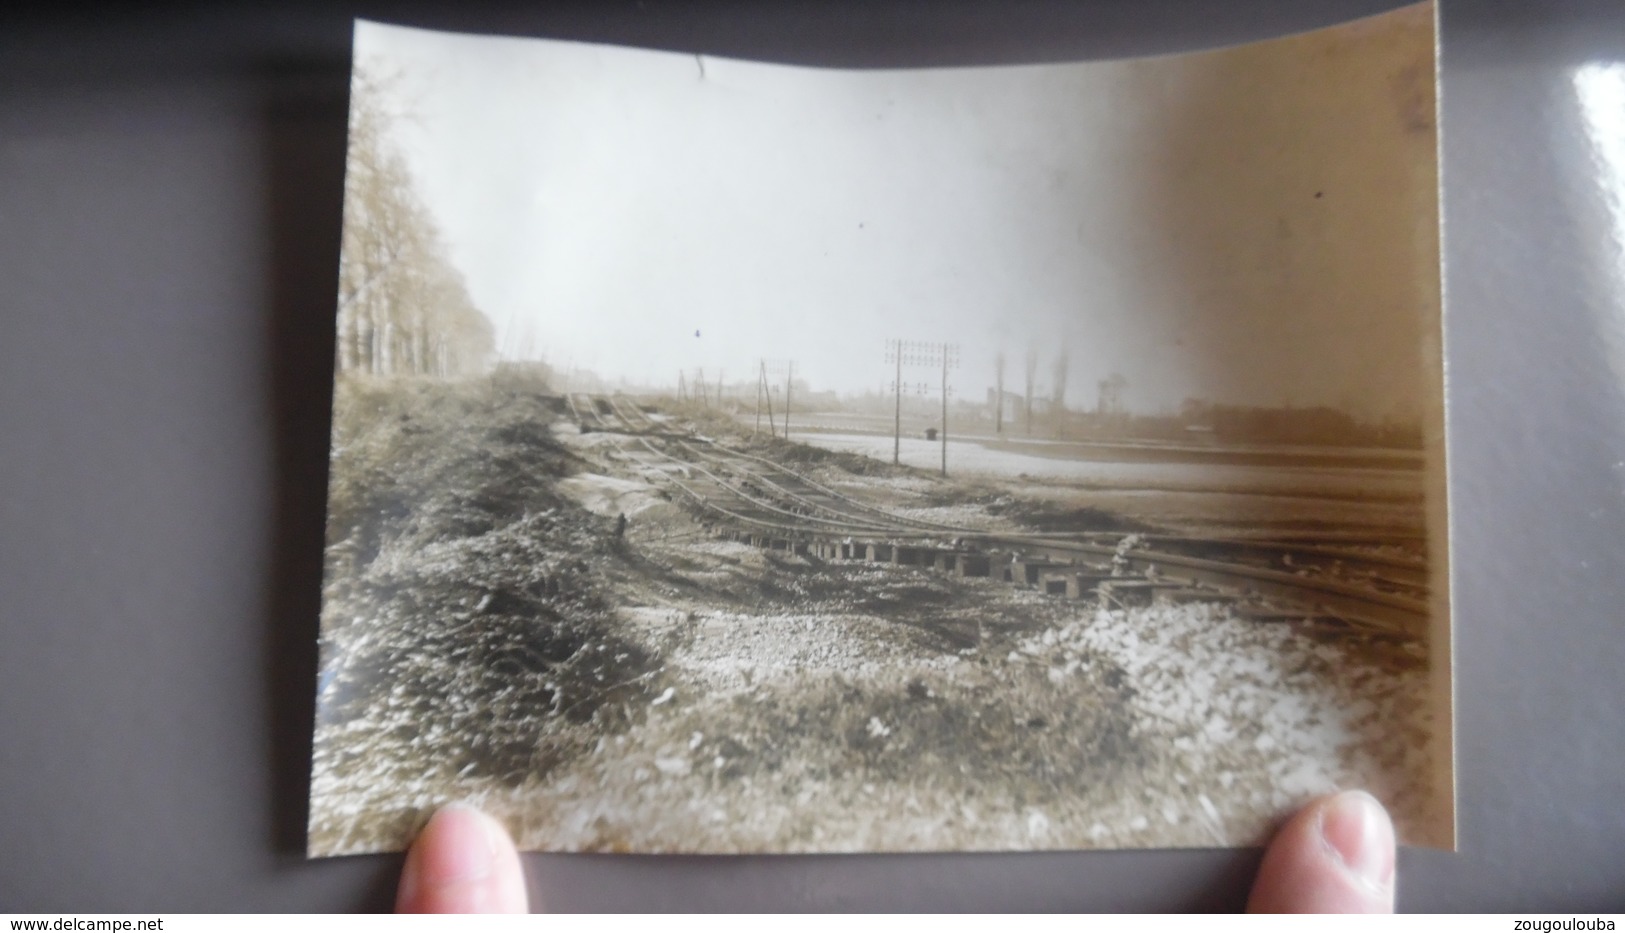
1031, 372
1058, 405
998, 393
1111, 395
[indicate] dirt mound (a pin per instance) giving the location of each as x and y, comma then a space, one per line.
463, 634
1043, 516
608, 495
793, 454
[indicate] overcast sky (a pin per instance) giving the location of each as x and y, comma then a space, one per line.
1253, 226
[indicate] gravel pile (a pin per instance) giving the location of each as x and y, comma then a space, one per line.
1260, 716
735, 651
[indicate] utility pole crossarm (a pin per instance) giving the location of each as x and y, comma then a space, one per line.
919, 353
944, 409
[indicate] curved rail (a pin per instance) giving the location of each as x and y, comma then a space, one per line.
754, 500
1365, 606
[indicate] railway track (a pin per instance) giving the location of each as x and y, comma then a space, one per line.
760, 501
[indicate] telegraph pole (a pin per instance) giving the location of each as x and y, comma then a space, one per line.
950, 359
944, 409
897, 410
764, 371
916, 353
768, 394
894, 354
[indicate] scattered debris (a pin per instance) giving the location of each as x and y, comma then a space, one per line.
507, 637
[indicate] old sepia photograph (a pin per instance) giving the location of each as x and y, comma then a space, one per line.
740, 457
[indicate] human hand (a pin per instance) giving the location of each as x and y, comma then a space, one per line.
463, 862
1335, 856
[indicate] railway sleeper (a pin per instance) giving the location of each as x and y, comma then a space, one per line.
1074, 584
1132, 592
1056, 578
915, 556
1077, 581
1028, 571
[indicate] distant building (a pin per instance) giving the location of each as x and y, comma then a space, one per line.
1013, 406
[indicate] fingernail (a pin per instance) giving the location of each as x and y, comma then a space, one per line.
471, 858
1359, 835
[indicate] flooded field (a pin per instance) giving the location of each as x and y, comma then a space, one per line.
1150, 469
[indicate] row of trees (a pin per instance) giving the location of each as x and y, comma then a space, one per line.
1111, 389
403, 308
1045, 408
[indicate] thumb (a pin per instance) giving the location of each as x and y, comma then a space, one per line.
462, 863
1336, 856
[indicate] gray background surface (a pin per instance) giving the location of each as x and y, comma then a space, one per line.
170, 185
